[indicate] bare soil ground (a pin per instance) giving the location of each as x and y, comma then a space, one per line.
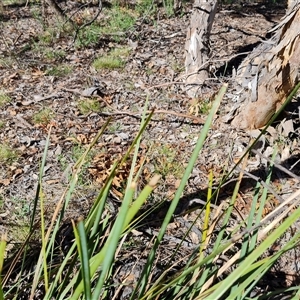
42, 70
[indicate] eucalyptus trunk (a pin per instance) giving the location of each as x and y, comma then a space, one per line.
263, 80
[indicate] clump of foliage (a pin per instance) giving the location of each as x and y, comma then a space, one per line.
43, 117
108, 62
117, 22
120, 19
167, 160
113, 60
59, 71
200, 106
51, 54
87, 106
4, 98
7, 154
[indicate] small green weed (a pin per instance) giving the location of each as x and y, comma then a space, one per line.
200, 106
11, 2
108, 62
54, 54
167, 162
146, 8
59, 71
89, 36
113, 60
2, 123
120, 52
149, 8
19, 232
4, 98
36, 13
86, 106
149, 71
176, 65
120, 19
77, 152
21, 207
43, 117
1, 202
47, 37
205, 106
7, 155
63, 161
129, 85
8, 62
114, 127
168, 7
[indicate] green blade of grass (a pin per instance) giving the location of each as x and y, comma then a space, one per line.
207, 214
136, 205
44, 245
254, 218
266, 264
3, 242
252, 257
81, 240
125, 211
143, 281
110, 246
204, 237
210, 268
43, 251
58, 214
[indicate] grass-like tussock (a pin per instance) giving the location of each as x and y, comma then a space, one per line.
86, 268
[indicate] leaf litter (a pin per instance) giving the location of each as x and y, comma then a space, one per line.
29, 61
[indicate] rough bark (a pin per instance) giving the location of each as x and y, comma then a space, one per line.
268, 74
197, 45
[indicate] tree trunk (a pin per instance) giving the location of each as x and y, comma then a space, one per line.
268, 75
197, 45
263, 80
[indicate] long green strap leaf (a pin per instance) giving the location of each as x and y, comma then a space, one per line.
142, 283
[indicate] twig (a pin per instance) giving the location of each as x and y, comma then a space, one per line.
90, 22
169, 112
212, 61
268, 187
280, 167
138, 114
165, 84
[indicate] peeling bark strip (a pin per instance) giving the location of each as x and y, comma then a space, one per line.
268, 75
197, 45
